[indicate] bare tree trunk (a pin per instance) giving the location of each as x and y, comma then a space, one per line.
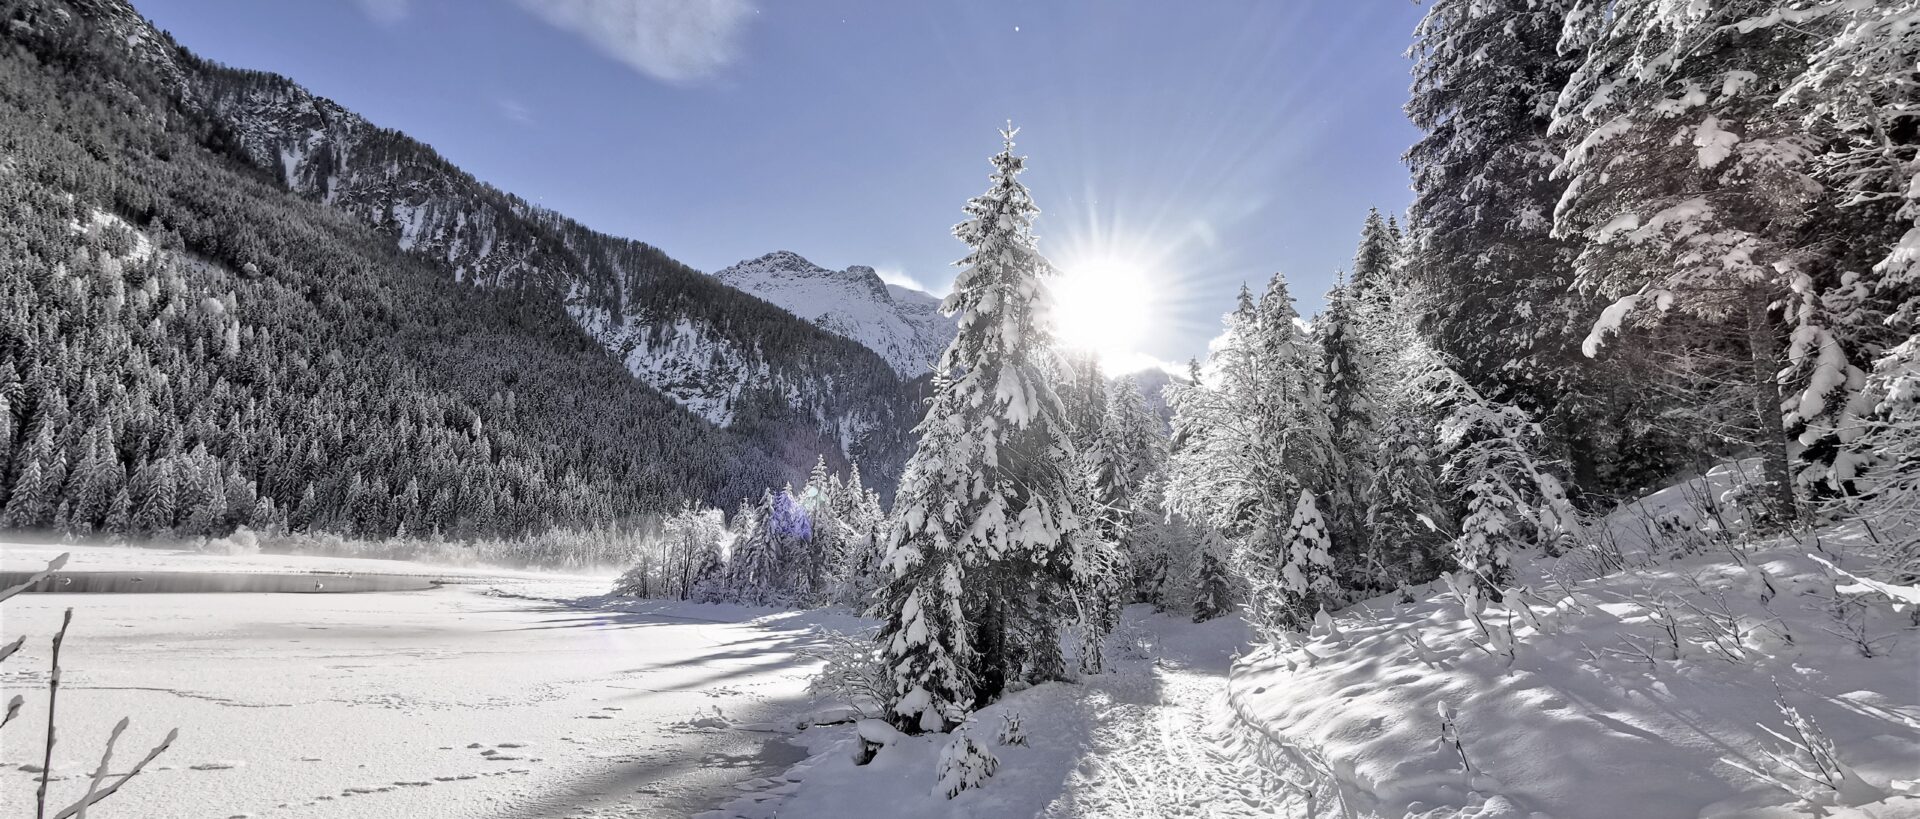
1770, 439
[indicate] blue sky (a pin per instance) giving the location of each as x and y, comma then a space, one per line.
1201, 143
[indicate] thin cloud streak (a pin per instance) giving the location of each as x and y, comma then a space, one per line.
674, 41
514, 110
385, 12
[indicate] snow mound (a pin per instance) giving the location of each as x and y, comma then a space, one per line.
1677, 684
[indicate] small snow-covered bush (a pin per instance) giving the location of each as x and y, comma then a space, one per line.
241, 542
1131, 641
964, 765
855, 673
1011, 733
1808, 765
1450, 735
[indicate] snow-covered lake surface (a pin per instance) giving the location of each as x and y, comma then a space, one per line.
501, 694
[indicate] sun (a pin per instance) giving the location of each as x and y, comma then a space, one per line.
1103, 305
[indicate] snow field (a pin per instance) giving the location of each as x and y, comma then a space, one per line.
1642, 692
510, 695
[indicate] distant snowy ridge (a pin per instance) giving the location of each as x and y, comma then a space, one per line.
901, 324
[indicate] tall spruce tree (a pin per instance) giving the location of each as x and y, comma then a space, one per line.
1376, 261
1494, 281
1350, 366
987, 530
1135, 443
1486, 75
1692, 193
1212, 586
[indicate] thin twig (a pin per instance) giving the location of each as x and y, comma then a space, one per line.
75, 808
100, 773
53, 694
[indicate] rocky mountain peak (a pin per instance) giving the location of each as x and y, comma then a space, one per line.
899, 324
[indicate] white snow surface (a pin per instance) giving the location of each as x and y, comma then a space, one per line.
507, 694
1581, 723
1151, 738
901, 324
522, 694
1350, 723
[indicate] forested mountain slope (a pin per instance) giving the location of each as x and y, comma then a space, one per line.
184, 346
710, 348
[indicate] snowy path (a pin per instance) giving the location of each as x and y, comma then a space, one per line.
1157, 749
1147, 740
457, 702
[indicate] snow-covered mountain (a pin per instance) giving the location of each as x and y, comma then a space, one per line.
903, 325
725, 355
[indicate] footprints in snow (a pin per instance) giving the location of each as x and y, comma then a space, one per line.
495, 753
604, 716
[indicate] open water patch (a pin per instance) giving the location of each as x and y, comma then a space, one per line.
151, 582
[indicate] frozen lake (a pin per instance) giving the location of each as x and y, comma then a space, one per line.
497, 695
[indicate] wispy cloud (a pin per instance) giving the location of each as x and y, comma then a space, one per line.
513, 109
385, 12
902, 279
675, 41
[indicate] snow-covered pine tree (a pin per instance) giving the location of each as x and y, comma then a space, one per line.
823, 548
1288, 571
36, 484
1307, 579
1376, 261
759, 570
9, 421
1506, 498
1405, 515
1493, 277
1250, 435
1084, 393
119, 521
1295, 419
989, 514
1136, 441
1349, 367
1138, 435
1860, 87
1691, 191
1214, 434
1888, 496
1102, 575
1212, 587
1100, 566
159, 505
1857, 91
95, 480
